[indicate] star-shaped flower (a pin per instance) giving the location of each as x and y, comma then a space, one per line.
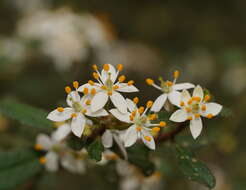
170, 91
108, 88
192, 108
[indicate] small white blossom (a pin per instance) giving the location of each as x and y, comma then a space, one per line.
192, 108
170, 91
107, 88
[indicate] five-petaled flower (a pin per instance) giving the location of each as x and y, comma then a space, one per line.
107, 87
192, 108
170, 91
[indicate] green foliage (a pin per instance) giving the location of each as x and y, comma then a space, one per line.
226, 112
75, 143
95, 150
18, 166
25, 114
194, 169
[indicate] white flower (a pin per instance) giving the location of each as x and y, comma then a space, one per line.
77, 110
170, 92
141, 124
192, 108
108, 88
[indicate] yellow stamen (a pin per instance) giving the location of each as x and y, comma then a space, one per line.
84, 111
93, 91
149, 81
122, 78
106, 67
196, 98
94, 67
115, 87
162, 124
131, 82
91, 82
95, 75
189, 118
73, 115
204, 107
209, 116
138, 128
190, 101
119, 67
152, 117
156, 129
141, 110
149, 104
86, 91
60, 109
188, 109
42, 160
207, 98
182, 103
104, 87
176, 74
147, 138
136, 100
131, 117
110, 93
88, 102
197, 115
134, 113
76, 84
38, 147
169, 83
68, 89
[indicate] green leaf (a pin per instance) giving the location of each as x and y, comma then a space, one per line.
138, 155
75, 143
194, 169
25, 114
17, 167
95, 150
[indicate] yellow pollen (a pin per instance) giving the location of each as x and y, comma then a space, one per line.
169, 83
95, 75
188, 109
91, 82
106, 67
149, 104
204, 107
119, 67
76, 84
131, 82
104, 87
110, 93
182, 103
73, 115
196, 98
131, 117
136, 100
189, 118
156, 129
38, 147
122, 78
88, 102
94, 67
141, 110
134, 113
84, 111
147, 138
93, 91
42, 160
197, 115
152, 117
209, 116
68, 89
138, 128
207, 98
60, 109
176, 74
86, 91
115, 87
149, 81
190, 101
162, 124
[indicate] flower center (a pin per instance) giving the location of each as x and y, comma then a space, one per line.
77, 107
166, 86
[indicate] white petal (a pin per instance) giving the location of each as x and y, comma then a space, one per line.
124, 87
120, 116
104, 74
131, 105
72, 164
179, 116
185, 96
120, 144
196, 127
131, 136
51, 163
107, 139
62, 132
45, 141
99, 113
60, 116
174, 97
78, 125
198, 92
159, 103
212, 108
82, 87
151, 143
99, 101
182, 86
73, 97
119, 102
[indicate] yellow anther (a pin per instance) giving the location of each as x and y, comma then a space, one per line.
119, 67
207, 98
94, 67
197, 115
209, 116
136, 100
115, 87
182, 103
204, 107
106, 67
38, 147
122, 78
104, 87
162, 124
86, 91
176, 74
152, 117
149, 81
60, 109
196, 98
91, 82
141, 110
95, 75
131, 82
156, 129
110, 93
76, 84
93, 91
42, 160
88, 102
169, 83
73, 115
190, 101
134, 113
147, 138
138, 128
68, 89
131, 117
188, 109
189, 118
149, 104
84, 111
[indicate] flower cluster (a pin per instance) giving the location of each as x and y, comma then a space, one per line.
100, 102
